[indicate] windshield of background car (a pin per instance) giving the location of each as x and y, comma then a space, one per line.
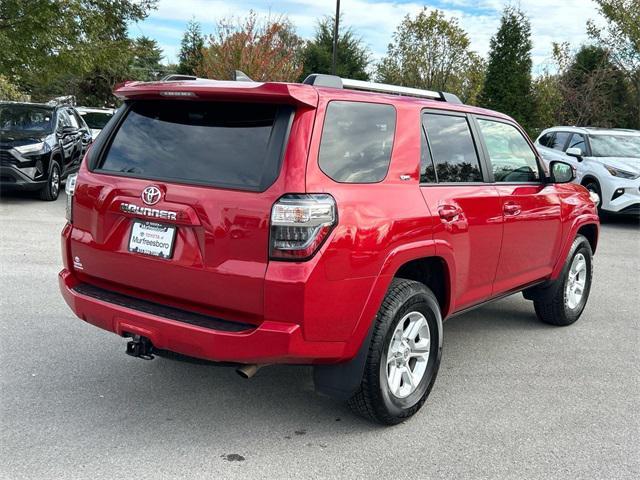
615, 145
25, 118
96, 120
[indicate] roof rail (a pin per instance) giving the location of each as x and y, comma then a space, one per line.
333, 81
172, 77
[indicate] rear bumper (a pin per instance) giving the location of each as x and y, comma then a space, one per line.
270, 342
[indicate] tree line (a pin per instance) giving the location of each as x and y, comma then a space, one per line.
82, 47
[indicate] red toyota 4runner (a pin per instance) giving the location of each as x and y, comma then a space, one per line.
334, 223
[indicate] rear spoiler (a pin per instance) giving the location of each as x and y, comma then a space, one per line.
203, 89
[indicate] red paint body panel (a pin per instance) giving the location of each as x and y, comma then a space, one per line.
320, 310
472, 241
531, 238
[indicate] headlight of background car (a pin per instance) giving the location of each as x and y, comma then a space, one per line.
616, 172
31, 148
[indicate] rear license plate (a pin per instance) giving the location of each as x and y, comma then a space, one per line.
151, 238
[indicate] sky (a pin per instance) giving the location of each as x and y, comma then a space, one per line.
376, 20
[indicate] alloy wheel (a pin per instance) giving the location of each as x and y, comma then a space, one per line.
576, 281
55, 182
408, 354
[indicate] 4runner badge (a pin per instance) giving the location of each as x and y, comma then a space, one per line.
151, 195
148, 212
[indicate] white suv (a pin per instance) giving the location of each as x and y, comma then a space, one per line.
96, 118
607, 162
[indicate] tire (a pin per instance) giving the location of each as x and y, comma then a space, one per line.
408, 305
559, 304
51, 190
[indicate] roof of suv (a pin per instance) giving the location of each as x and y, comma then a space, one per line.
293, 92
593, 130
30, 104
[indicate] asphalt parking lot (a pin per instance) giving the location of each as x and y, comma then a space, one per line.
514, 398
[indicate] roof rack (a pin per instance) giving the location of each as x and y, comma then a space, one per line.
172, 77
333, 81
65, 100
238, 76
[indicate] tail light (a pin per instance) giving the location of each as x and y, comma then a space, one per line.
300, 224
70, 188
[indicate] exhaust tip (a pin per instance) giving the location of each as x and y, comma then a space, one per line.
248, 371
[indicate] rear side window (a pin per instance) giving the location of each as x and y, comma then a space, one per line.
545, 140
357, 139
230, 145
559, 140
452, 148
96, 120
511, 157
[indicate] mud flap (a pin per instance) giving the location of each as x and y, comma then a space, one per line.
341, 380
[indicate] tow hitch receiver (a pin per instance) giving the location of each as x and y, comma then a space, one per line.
140, 347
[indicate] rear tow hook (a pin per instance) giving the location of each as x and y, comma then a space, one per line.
140, 347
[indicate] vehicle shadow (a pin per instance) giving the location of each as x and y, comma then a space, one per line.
17, 197
212, 402
621, 221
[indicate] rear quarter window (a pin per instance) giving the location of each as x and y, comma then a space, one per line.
545, 140
357, 139
223, 144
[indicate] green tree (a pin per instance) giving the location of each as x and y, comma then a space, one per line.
547, 101
191, 47
433, 53
507, 86
594, 90
51, 46
621, 38
147, 56
352, 57
8, 91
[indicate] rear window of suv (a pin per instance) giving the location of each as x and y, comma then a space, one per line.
223, 144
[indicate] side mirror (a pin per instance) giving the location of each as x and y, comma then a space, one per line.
561, 172
67, 129
575, 152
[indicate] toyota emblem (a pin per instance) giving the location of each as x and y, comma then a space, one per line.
151, 195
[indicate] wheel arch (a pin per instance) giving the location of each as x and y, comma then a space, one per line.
585, 224
589, 178
590, 231
57, 158
417, 262
414, 261
434, 273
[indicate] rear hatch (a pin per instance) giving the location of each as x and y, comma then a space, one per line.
173, 204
